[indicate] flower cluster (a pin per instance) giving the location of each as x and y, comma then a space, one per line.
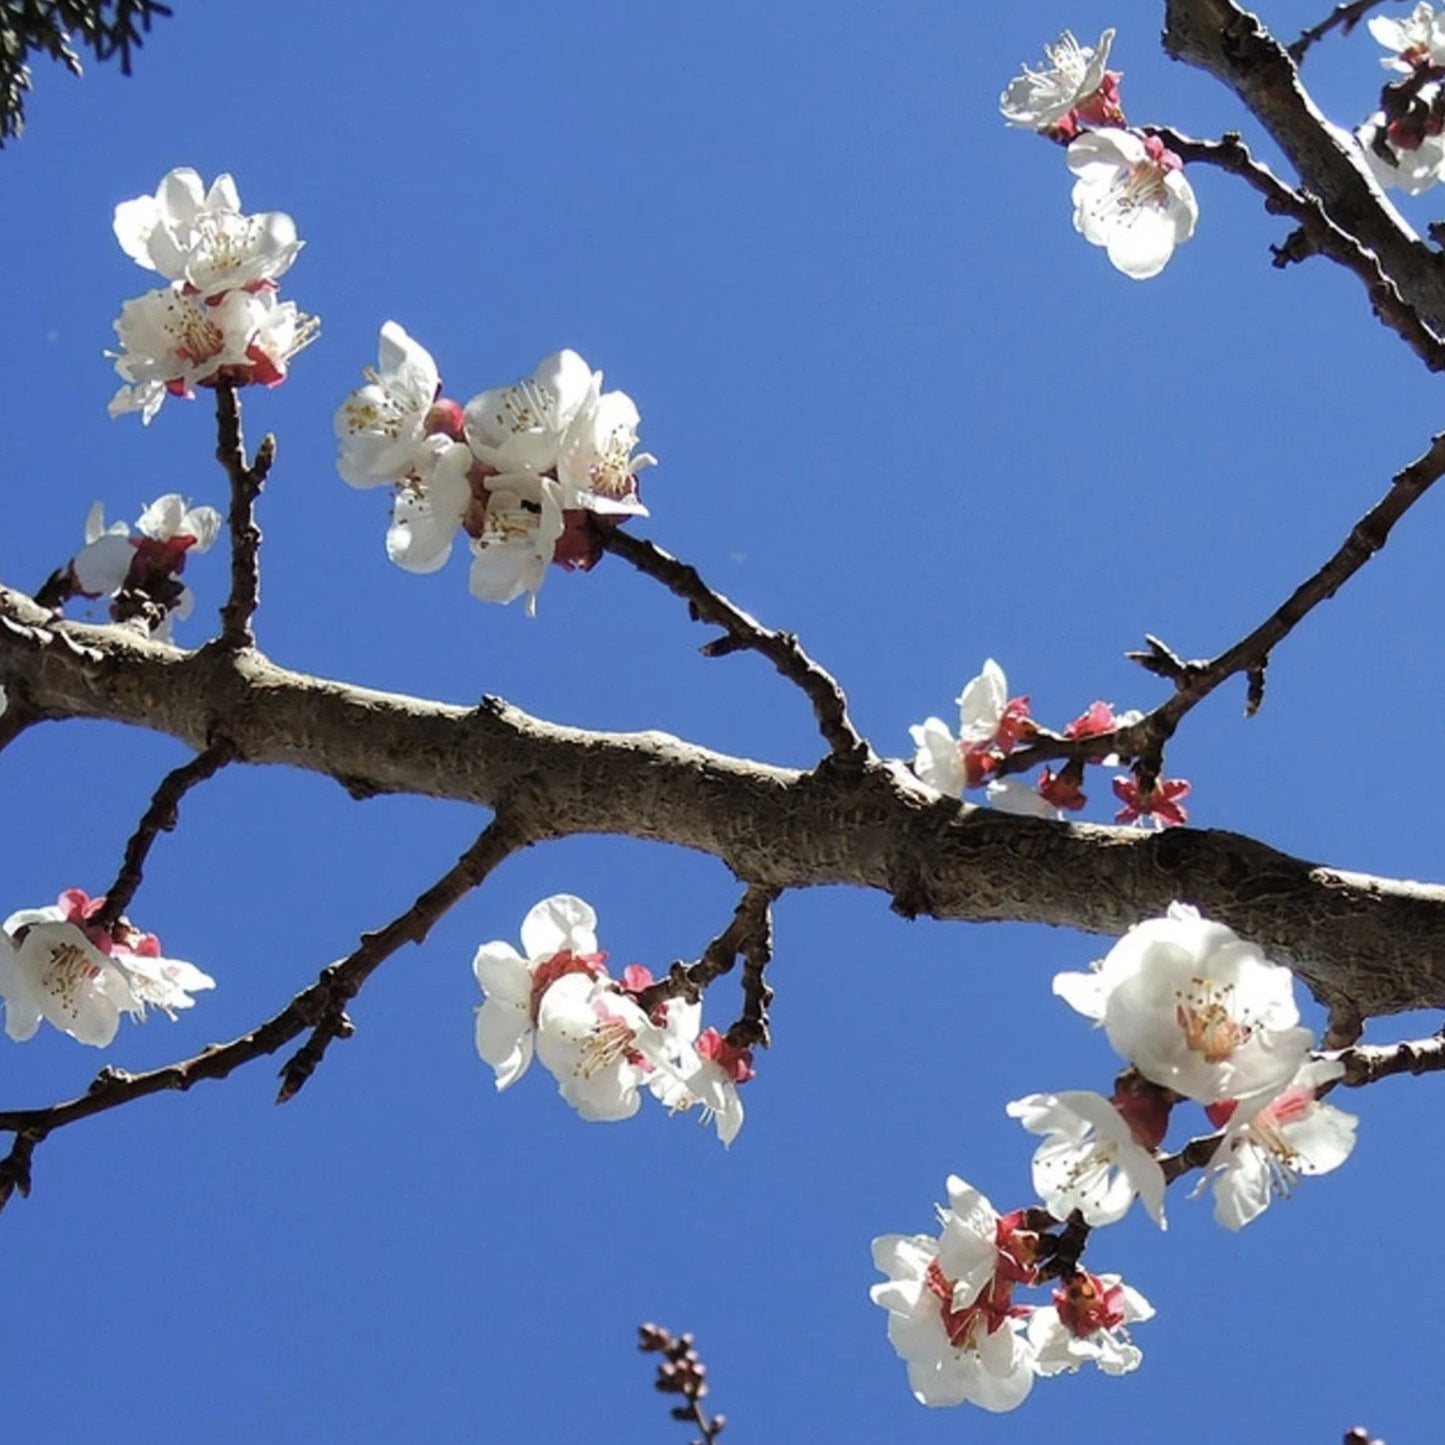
1130, 194
1404, 141
991, 725
532, 472
57, 964
219, 318
953, 1319
1198, 1014
556, 1000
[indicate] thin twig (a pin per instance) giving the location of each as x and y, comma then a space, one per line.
782, 649
1320, 235
683, 1373
315, 1007
158, 818
1346, 15
749, 932
1194, 681
247, 479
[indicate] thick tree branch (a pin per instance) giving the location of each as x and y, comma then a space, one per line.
782, 649
318, 1007
1374, 944
1231, 44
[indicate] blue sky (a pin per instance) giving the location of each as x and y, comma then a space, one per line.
902, 410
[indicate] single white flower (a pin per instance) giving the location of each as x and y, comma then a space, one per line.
1087, 1323
1131, 197
1040, 99
1195, 1008
518, 538
596, 463
173, 342
1417, 40
1089, 1160
1412, 169
949, 1309
989, 723
199, 237
55, 965
598, 1045
559, 936
519, 428
709, 1071
428, 511
1267, 1148
382, 426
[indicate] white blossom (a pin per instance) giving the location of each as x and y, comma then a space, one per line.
55, 965
1087, 1323
708, 1073
518, 538
1416, 40
1040, 99
382, 426
1131, 197
1412, 169
519, 428
1089, 1160
429, 510
598, 461
559, 936
1268, 1147
199, 238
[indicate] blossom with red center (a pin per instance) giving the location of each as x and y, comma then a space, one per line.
1269, 1146
949, 1302
707, 1072
990, 725
1161, 804
57, 964
1195, 1008
1087, 1323
559, 939
1131, 197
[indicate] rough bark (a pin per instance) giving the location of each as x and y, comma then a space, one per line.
1365, 945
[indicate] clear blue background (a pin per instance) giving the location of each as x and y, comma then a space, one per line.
901, 409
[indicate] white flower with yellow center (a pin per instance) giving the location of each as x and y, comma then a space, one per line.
519, 428
1040, 99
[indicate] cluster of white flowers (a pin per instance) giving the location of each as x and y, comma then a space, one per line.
1130, 195
991, 725
557, 1000
1199, 1014
1404, 143
530, 472
219, 319
953, 1320
56, 964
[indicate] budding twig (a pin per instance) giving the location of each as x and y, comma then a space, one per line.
744, 632
683, 1373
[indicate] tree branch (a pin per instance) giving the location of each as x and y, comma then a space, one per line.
247, 479
1232, 45
1321, 236
316, 1007
782, 649
159, 817
1346, 15
1374, 944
